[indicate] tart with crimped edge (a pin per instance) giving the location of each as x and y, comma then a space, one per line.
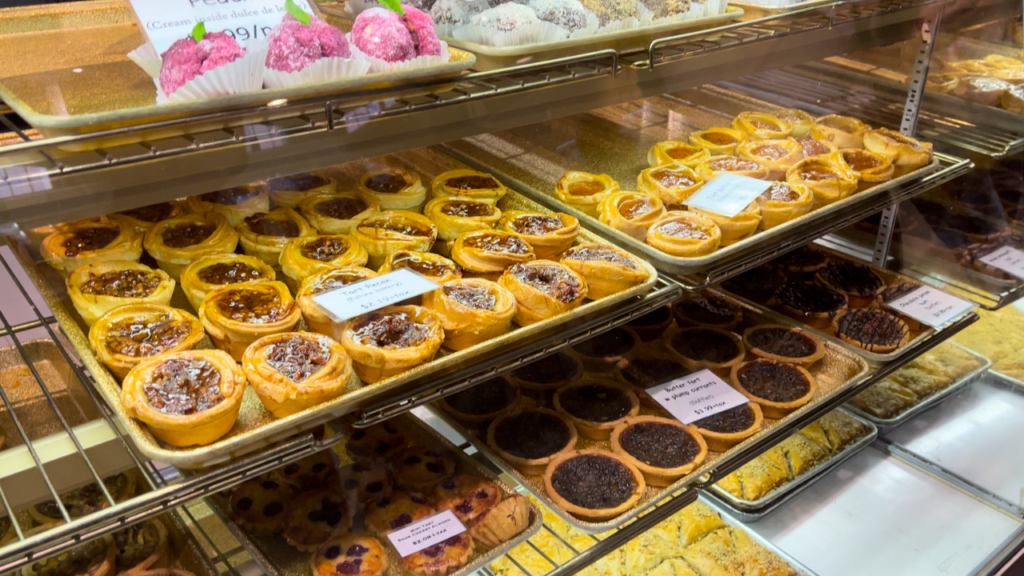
468, 183
644, 369
502, 522
826, 179
442, 558
392, 230
331, 279
100, 287
420, 468
314, 471
237, 315
364, 481
315, 517
548, 234
234, 204
727, 428
290, 191
595, 407
701, 347
859, 283
488, 253
631, 213
777, 156
783, 344
673, 183
584, 191
427, 264
685, 234
543, 289
377, 442
762, 126
209, 271
466, 496
129, 334
177, 242
800, 121
265, 234
802, 263
894, 292
869, 167
539, 379
675, 152
777, 387
731, 164
393, 188
148, 216
111, 238
872, 329
843, 131
472, 310
651, 325
454, 215
718, 141
663, 449
734, 228
530, 438
338, 213
783, 202
593, 485
607, 269
391, 340
258, 505
811, 304
816, 147
906, 153
707, 309
294, 371
398, 510
349, 555
478, 406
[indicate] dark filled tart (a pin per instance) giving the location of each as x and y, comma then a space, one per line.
480, 405
593, 484
531, 438
802, 263
725, 429
758, 284
859, 283
595, 408
607, 349
872, 329
663, 449
652, 325
141, 547
783, 344
708, 310
85, 500
707, 348
813, 305
420, 468
894, 292
540, 379
777, 387
258, 506
647, 369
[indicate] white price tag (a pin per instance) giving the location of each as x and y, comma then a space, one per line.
166, 21
727, 194
1006, 259
365, 296
426, 533
930, 306
696, 396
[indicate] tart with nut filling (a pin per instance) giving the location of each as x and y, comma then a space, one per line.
427, 264
391, 340
472, 310
675, 152
631, 212
777, 387
593, 484
393, 230
290, 191
105, 239
843, 131
663, 449
707, 309
296, 370
673, 183
531, 438
98, 288
235, 316
685, 234
735, 228
310, 255
469, 184
338, 213
762, 126
129, 334
209, 271
543, 289
393, 189
826, 179
607, 269
350, 555
148, 216
718, 141
728, 428
265, 234
454, 215
815, 147
584, 191
316, 319
548, 234
783, 202
488, 253
176, 242
234, 204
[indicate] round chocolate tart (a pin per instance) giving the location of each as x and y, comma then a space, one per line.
783, 344
541, 378
595, 408
663, 449
603, 351
482, 403
778, 387
711, 348
859, 283
531, 438
708, 310
645, 370
811, 304
802, 263
872, 329
652, 325
894, 292
758, 284
725, 429
593, 484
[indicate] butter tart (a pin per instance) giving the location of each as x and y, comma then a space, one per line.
652, 325
393, 230
735, 228
783, 202
894, 292
540, 378
209, 271
296, 370
718, 141
290, 191
672, 183
783, 344
800, 121
869, 167
468, 184
646, 369
663, 449
237, 315
350, 555
685, 234
906, 153
454, 215
811, 304
234, 204
174, 243
631, 212
393, 189
596, 407
442, 558
375, 442
802, 263
310, 255
708, 310
185, 398
478, 406
488, 253
72, 246
427, 264
316, 319
700, 348
148, 216
98, 288
338, 213
392, 340
777, 387
777, 156
871, 329
757, 284
548, 234
607, 269
593, 484
729, 164
843, 131
265, 234
762, 126
504, 521
420, 468
543, 289
466, 496
472, 310
859, 283
728, 428
981, 89
826, 179
258, 505
815, 147
675, 152
531, 438
131, 333
398, 510
584, 191
315, 517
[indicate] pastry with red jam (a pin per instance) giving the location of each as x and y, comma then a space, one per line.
315, 517
602, 352
859, 283
783, 344
595, 407
258, 506
350, 555
387, 514
466, 496
777, 387
702, 348
531, 438
872, 329
708, 310
377, 442
727, 428
811, 304
420, 468
539, 379
663, 449
593, 485
478, 406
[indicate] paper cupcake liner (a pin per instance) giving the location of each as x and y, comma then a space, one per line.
323, 70
147, 59
378, 65
539, 33
593, 24
243, 75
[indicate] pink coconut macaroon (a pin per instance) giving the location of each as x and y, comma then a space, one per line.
395, 37
186, 59
294, 45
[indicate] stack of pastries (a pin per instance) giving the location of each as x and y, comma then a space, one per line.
810, 162
343, 514
995, 80
251, 259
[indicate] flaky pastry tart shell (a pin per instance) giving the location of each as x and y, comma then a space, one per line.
801, 121
827, 180
584, 191
817, 354
393, 188
869, 167
373, 362
676, 152
146, 217
235, 316
304, 257
777, 156
234, 204
906, 153
593, 514
525, 465
696, 364
737, 227
631, 213
433, 266
547, 245
718, 141
722, 441
843, 131
762, 126
465, 324
282, 395
454, 215
200, 276
783, 202
290, 191
607, 269
468, 183
685, 234
97, 288
673, 183
130, 323
393, 230
731, 164
176, 242
593, 429
654, 475
488, 253
331, 279
266, 247
74, 245
543, 289
338, 213
769, 408
502, 522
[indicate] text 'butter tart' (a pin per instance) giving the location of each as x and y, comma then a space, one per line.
393, 230
293, 371
176, 242
472, 310
265, 234
392, 340
303, 257
209, 271
593, 484
584, 191
632, 213
531, 438
783, 202
777, 387
338, 213
316, 319
235, 316
129, 334
234, 204
663, 449
548, 234
543, 289
469, 184
393, 189
97, 288
74, 245
684, 234
606, 268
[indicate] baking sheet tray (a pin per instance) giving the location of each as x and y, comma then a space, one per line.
256, 427
277, 558
839, 369
772, 10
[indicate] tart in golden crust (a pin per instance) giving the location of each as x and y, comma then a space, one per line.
419, 468
375, 442
427, 264
338, 213
644, 369
675, 152
815, 147
501, 523
783, 344
393, 189
728, 428
827, 180
871, 329
488, 253
663, 449
843, 131
702, 348
93, 558
543, 289
672, 183
478, 406
72, 246
315, 517
454, 215
762, 126
735, 228
148, 216
631, 212
296, 370
316, 319
607, 269
603, 351
859, 283
777, 387
540, 378
442, 558
707, 309
584, 191
906, 153
801, 121
394, 230
777, 156
350, 555
390, 513
209, 271
718, 141
97, 288
466, 496
265, 234
258, 506
592, 484
531, 438
472, 310
548, 234
468, 184
782, 202
290, 191
131, 333
392, 340
730, 164
311, 255
185, 398
869, 167
811, 304
141, 547
234, 204
236, 316
596, 407
176, 242
685, 234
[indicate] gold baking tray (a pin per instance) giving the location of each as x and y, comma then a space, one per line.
837, 371
256, 427
277, 558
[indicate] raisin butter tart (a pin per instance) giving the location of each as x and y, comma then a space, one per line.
391, 230
392, 340
702, 348
548, 234
777, 387
237, 315
174, 243
663, 449
543, 289
593, 484
296, 370
596, 407
728, 428
129, 334
338, 213
531, 438
185, 398
97, 288
331, 279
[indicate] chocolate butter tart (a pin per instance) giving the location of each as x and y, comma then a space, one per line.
777, 387
663, 449
593, 484
595, 407
872, 329
531, 438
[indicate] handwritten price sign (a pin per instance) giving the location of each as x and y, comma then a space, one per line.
696, 396
368, 295
426, 533
931, 307
1008, 260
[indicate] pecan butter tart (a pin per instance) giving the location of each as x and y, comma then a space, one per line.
593, 484
234, 204
777, 387
707, 309
104, 239
456, 215
209, 271
548, 234
265, 234
392, 340
393, 230
700, 348
645, 369
394, 189
309, 255
596, 407
584, 191
237, 315
607, 269
488, 253
543, 289
531, 438
432, 266
350, 555
859, 283
316, 318
315, 517
783, 344
472, 310
871, 329
663, 449
338, 213
296, 370
602, 352
468, 183
174, 243
146, 217
731, 164
813, 305
290, 191
540, 378
478, 406
98, 288
131, 333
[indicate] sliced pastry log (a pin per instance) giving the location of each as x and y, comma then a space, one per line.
816, 147
97, 288
127, 335
72, 246
265, 234
338, 213
174, 243
209, 271
311, 255
393, 189
236, 316
234, 204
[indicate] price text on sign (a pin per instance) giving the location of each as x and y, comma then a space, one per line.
1007, 259
165, 21
696, 396
426, 533
930, 306
368, 295
727, 194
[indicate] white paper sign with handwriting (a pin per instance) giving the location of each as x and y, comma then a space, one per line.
1006, 259
696, 396
931, 307
727, 194
365, 296
425, 533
